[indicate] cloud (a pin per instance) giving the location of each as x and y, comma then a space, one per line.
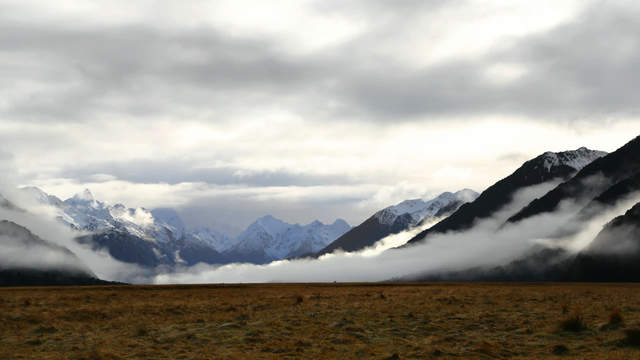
580, 68
488, 243
389, 94
40, 220
174, 171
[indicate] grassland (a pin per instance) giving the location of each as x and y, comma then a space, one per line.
322, 321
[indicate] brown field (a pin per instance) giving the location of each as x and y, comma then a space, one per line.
322, 321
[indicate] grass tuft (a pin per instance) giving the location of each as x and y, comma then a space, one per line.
615, 318
559, 350
574, 323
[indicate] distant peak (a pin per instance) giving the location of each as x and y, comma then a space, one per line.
267, 218
35, 191
340, 222
32, 188
466, 195
269, 221
576, 159
86, 195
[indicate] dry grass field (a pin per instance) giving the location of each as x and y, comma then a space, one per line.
322, 321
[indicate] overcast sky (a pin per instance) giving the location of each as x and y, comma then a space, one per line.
229, 110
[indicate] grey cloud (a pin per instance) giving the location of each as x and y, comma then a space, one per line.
174, 171
139, 70
585, 68
233, 213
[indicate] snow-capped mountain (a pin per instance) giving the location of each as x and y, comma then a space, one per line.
419, 209
159, 236
269, 239
221, 242
576, 159
591, 181
398, 218
544, 168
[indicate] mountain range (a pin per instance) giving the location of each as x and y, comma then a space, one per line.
157, 237
597, 187
542, 169
571, 187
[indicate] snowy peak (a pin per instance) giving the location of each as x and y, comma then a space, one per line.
84, 196
221, 242
466, 195
576, 159
170, 219
420, 209
40, 196
277, 239
340, 223
269, 225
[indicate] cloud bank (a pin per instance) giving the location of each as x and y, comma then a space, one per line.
489, 243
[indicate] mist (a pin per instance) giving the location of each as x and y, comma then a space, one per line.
40, 220
488, 243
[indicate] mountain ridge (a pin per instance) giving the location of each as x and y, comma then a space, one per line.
396, 218
541, 169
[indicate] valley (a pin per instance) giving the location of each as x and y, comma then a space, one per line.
322, 321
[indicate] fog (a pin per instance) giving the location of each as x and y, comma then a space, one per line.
488, 243
40, 220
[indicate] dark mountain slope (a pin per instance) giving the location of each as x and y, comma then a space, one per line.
613, 256
611, 196
127, 247
544, 168
398, 218
28, 260
367, 234
593, 180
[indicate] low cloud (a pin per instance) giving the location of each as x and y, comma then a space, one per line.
488, 243
40, 220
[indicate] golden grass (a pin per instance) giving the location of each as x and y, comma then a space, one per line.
320, 321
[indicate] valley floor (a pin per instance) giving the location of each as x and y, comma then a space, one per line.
322, 321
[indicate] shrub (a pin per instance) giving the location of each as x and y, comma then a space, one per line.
574, 323
615, 318
559, 349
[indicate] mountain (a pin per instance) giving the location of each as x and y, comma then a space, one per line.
398, 218
139, 236
28, 260
613, 255
590, 182
219, 241
544, 168
269, 239
160, 237
8, 205
620, 236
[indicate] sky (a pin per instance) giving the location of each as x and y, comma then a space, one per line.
230, 110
